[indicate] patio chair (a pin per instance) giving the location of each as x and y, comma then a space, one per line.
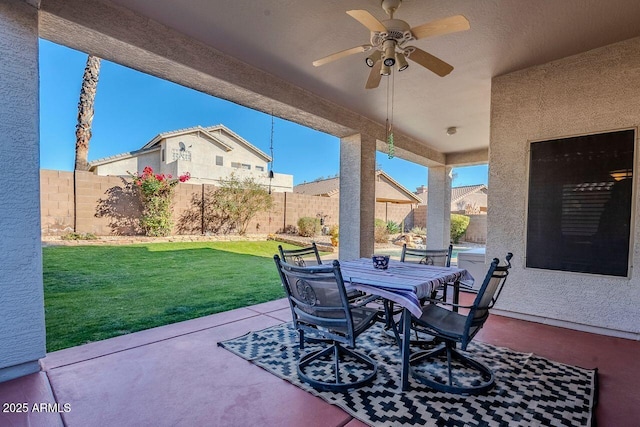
320, 308
437, 257
452, 328
302, 257
310, 256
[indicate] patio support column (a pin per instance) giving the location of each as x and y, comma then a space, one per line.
22, 327
439, 207
357, 196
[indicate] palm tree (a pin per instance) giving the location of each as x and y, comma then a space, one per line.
85, 111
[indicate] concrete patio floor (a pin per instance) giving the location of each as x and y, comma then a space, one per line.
176, 375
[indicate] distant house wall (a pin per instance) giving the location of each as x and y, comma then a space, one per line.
477, 201
120, 167
387, 190
200, 155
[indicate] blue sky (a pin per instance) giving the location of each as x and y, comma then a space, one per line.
132, 107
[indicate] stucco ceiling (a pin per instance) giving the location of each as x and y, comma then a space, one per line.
283, 37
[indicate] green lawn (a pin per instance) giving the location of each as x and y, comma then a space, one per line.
97, 292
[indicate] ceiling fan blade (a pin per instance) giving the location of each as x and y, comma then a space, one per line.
429, 61
367, 19
341, 54
374, 76
452, 24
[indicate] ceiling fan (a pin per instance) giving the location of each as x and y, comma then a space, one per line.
389, 43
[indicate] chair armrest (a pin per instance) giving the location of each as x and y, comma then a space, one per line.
364, 300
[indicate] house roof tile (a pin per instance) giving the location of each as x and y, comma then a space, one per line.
331, 186
457, 193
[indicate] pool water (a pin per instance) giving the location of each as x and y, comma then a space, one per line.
396, 252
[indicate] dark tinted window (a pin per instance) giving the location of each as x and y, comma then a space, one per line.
579, 212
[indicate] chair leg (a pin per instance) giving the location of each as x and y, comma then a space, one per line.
336, 358
335, 384
449, 364
487, 377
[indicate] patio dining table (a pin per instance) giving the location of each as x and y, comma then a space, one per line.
405, 284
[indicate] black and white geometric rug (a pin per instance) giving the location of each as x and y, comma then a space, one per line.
529, 391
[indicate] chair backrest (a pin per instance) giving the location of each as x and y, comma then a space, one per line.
437, 257
318, 299
303, 257
486, 298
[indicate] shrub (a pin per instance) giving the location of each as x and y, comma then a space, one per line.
156, 192
334, 232
238, 201
290, 229
459, 224
421, 231
229, 208
381, 232
393, 227
78, 236
308, 226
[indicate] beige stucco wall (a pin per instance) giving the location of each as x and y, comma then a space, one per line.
22, 326
477, 229
590, 92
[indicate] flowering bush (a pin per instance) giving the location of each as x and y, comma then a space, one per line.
156, 191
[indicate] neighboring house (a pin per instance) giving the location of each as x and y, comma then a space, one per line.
467, 199
208, 154
387, 189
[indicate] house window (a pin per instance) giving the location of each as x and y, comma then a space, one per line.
235, 165
246, 166
579, 206
162, 151
219, 161
260, 168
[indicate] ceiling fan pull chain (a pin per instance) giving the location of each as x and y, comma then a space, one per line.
390, 98
271, 149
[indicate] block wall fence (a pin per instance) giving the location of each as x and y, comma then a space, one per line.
102, 205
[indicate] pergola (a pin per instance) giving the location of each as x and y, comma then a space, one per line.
525, 71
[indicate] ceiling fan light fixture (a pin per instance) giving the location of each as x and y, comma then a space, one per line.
385, 70
401, 61
389, 47
371, 60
